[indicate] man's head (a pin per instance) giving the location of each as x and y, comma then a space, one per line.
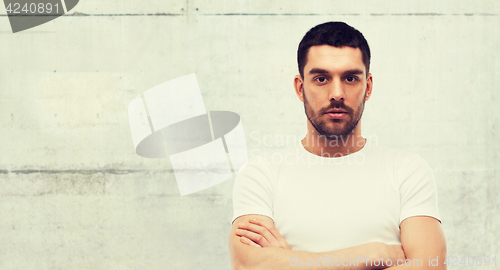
336, 34
334, 82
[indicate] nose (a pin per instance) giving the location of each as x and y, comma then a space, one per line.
336, 90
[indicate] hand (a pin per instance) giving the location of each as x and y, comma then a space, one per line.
258, 233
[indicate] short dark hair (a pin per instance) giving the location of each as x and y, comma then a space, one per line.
337, 34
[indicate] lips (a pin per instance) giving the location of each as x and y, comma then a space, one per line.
336, 113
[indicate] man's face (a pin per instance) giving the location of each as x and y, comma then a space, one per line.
334, 81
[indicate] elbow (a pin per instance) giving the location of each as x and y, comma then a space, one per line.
241, 258
240, 266
236, 259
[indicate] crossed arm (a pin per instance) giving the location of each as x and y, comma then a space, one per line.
423, 241
254, 243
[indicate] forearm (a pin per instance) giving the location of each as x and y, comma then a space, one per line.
254, 243
244, 257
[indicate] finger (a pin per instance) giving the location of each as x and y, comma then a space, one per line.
260, 230
272, 230
255, 237
249, 242
263, 230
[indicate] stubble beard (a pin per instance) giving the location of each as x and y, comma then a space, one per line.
341, 128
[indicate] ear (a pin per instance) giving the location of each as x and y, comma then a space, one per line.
298, 83
369, 86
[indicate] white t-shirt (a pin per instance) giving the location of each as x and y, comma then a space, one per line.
321, 204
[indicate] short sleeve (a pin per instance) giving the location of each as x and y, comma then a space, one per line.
253, 190
418, 189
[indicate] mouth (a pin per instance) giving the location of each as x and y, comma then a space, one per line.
336, 114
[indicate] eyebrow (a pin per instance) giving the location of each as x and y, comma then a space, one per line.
347, 72
317, 71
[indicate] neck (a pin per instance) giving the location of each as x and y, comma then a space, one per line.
335, 146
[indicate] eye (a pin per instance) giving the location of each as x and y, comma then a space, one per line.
321, 79
351, 79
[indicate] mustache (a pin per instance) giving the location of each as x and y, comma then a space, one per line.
338, 105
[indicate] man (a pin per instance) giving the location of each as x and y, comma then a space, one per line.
336, 201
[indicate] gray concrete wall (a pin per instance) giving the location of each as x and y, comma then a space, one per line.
74, 195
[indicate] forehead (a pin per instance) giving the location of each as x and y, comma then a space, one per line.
334, 58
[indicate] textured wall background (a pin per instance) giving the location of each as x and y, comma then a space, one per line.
74, 195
